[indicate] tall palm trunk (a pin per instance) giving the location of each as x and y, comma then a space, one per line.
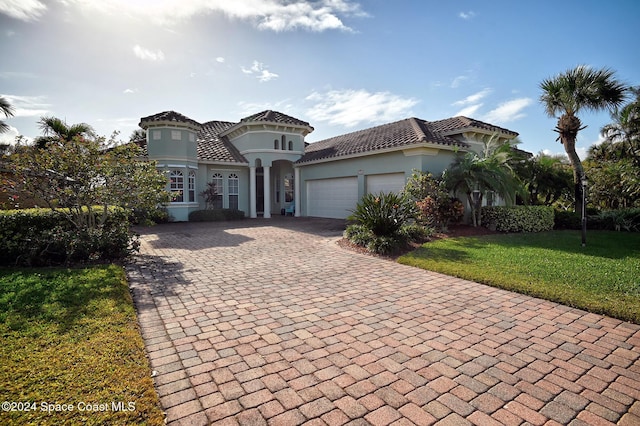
568, 128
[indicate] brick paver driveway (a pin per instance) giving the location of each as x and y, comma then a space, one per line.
270, 322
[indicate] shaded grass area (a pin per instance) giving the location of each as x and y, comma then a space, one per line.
603, 277
70, 336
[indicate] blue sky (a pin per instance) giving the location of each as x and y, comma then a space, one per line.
341, 65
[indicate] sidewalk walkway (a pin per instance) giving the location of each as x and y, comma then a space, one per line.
270, 322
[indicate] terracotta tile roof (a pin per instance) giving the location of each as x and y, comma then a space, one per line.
169, 116
270, 116
401, 133
461, 123
211, 146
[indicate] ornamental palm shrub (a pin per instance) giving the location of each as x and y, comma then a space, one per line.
383, 223
383, 214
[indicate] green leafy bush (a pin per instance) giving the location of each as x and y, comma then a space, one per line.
564, 219
616, 220
383, 213
149, 217
38, 237
519, 218
386, 244
215, 215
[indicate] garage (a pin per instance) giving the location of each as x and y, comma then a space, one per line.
388, 182
332, 198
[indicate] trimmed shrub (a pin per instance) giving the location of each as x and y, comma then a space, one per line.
518, 218
150, 217
215, 215
564, 219
37, 237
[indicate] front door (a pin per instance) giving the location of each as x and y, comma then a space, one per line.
260, 191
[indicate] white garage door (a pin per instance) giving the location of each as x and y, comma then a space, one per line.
334, 198
390, 182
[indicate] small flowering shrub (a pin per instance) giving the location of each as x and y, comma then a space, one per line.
435, 206
439, 210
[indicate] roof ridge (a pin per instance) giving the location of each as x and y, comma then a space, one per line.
418, 129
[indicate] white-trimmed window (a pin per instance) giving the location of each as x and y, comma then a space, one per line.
283, 144
176, 135
290, 145
234, 188
217, 182
192, 137
176, 185
192, 186
156, 135
276, 144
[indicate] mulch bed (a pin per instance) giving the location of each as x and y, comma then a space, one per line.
452, 232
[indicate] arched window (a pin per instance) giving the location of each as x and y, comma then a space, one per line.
290, 145
216, 202
276, 144
176, 185
283, 146
192, 186
234, 189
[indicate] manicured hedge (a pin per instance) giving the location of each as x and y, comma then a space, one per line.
518, 218
215, 215
36, 237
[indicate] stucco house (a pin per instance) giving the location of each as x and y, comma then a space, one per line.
262, 164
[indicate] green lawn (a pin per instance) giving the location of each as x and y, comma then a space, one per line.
603, 277
70, 337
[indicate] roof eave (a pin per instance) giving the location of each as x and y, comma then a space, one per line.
169, 123
421, 144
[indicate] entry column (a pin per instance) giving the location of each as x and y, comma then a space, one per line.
296, 186
267, 193
252, 192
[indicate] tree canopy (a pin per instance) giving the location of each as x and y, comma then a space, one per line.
567, 94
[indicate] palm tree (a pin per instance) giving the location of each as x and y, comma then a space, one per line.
625, 128
55, 130
567, 94
478, 173
7, 110
548, 179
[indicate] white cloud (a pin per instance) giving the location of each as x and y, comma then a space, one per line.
352, 107
508, 111
469, 111
260, 72
24, 10
467, 15
28, 106
472, 99
274, 15
9, 137
249, 108
129, 91
147, 54
458, 80
220, 59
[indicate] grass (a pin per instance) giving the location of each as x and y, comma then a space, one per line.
70, 336
603, 277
